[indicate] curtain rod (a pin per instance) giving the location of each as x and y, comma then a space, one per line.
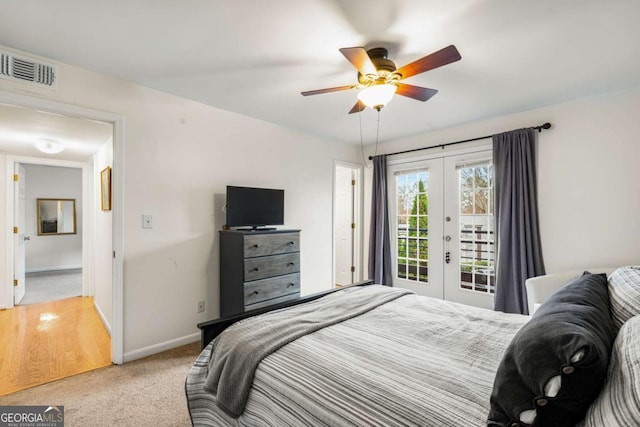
538, 128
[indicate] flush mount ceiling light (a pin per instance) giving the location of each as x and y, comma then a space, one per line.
49, 146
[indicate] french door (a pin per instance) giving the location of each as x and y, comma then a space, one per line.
442, 229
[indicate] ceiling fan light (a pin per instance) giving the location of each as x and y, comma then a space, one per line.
49, 146
377, 96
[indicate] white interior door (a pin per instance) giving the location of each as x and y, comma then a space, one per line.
20, 215
344, 199
441, 223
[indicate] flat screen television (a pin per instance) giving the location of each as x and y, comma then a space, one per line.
254, 207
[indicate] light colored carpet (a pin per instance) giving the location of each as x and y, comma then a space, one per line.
46, 286
145, 392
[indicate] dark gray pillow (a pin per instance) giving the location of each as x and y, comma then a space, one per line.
556, 364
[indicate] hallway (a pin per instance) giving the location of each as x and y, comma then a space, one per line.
45, 286
44, 342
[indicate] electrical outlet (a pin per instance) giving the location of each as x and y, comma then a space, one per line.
200, 306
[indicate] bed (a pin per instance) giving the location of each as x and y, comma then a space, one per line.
404, 360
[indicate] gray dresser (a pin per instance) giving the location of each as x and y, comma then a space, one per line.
258, 268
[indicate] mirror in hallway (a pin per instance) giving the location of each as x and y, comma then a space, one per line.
56, 216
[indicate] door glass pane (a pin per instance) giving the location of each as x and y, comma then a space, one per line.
477, 243
412, 225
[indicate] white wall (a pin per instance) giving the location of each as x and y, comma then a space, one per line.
103, 240
52, 252
590, 184
588, 176
179, 157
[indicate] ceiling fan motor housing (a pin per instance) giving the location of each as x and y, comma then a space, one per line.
384, 66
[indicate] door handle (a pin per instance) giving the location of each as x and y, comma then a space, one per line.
27, 237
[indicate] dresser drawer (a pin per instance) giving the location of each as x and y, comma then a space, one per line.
267, 266
271, 244
271, 302
274, 287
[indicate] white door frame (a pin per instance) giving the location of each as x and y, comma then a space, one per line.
117, 183
357, 214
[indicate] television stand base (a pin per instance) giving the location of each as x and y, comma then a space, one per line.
256, 229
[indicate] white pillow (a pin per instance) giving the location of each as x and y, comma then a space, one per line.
618, 404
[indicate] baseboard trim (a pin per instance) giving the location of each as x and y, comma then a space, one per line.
160, 347
102, 317
58, 268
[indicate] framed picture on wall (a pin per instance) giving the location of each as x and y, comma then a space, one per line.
105, 189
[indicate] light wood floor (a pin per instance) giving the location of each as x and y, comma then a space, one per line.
44, 342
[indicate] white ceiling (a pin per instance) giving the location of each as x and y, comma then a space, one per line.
20, 128
255, 57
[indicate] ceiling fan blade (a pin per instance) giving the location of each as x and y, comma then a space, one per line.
360, 59
415, 92
437, 59
331, 89
358, 107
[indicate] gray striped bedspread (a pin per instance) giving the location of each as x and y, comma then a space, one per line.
237, 353
414, 361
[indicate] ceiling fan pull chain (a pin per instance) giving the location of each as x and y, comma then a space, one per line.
377, 132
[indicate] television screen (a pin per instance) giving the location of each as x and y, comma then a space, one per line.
254, 207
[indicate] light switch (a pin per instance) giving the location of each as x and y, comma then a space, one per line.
147, 221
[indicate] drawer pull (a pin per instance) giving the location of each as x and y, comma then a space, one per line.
256, 245
290, 285
255, 293
291, 264
291, 243
255, 269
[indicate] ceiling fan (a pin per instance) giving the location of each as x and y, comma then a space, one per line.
379, 78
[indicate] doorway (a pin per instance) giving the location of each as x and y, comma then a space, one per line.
48, 256
442, 230
114, 253
61, 337
346, 223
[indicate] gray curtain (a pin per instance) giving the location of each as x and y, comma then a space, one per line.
379, 246
518, 250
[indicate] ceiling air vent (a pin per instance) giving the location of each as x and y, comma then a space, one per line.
27, 70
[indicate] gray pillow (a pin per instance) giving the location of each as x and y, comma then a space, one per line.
555, 365
624, 292
618, 404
